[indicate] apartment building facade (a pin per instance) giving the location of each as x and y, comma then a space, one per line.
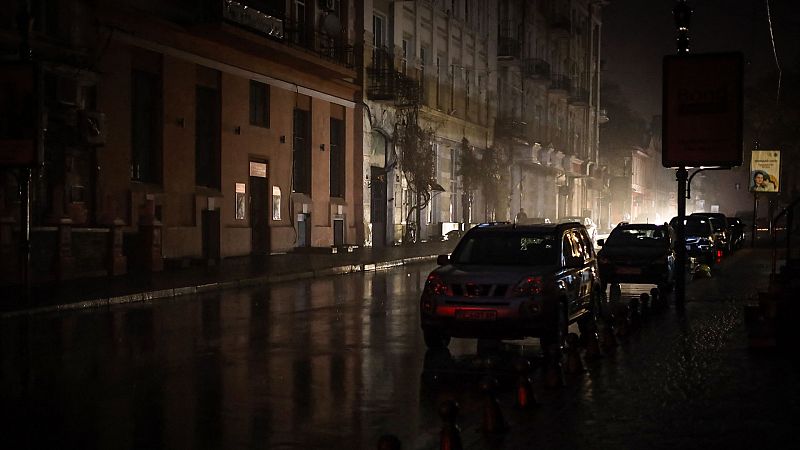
549, 97
202, 129
439, 59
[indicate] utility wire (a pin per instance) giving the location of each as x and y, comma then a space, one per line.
774, 52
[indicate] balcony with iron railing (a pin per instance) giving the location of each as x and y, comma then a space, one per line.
511, 127
385, 83
536, 69
329, 43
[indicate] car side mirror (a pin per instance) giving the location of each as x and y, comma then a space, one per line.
601, 242
443, 260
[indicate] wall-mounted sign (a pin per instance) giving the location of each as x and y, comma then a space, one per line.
258, 169
765, 170
240, 201
702, 110
276, 203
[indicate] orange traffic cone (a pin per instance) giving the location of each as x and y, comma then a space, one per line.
450, 435
553, 371
622, 320
658, 298
592, 345
574, 363
493, 421
525, 396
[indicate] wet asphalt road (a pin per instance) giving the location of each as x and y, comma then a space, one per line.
336, 362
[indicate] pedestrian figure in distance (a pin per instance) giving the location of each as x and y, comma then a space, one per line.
521, 216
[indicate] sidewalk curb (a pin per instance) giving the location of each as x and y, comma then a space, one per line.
260, 280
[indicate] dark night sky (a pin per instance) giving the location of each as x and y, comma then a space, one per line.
638, 33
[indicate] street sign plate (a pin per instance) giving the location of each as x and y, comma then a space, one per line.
702, 110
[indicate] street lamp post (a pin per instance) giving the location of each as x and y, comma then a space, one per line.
682, 14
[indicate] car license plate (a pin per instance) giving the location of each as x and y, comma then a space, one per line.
476, 314
629, 270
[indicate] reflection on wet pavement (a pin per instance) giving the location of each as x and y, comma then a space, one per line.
336, 362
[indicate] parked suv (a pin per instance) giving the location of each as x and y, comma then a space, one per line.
507, 281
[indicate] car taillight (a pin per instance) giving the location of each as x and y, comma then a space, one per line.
435, 286
528, 287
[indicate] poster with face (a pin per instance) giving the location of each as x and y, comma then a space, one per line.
765, 169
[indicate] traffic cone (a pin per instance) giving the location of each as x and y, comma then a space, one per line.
657, 301
645, 305
592, 345
616, 292
553, 371
608, 339
635, 313
389, 442
574, 363
450, 435
525, 396
622, 320
493, 421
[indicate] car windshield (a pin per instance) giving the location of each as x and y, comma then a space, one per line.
636, 236
508, 248
580, 220
696, 228
718, 224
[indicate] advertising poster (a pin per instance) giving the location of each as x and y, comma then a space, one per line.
765, 170
240, 201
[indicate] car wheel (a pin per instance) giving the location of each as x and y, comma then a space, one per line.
555, 340
435, 339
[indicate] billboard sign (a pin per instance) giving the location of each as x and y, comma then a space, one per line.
765, 171
702, 110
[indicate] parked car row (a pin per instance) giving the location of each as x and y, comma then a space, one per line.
518, 280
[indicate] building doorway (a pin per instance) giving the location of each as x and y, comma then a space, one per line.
259, 208
377, 179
